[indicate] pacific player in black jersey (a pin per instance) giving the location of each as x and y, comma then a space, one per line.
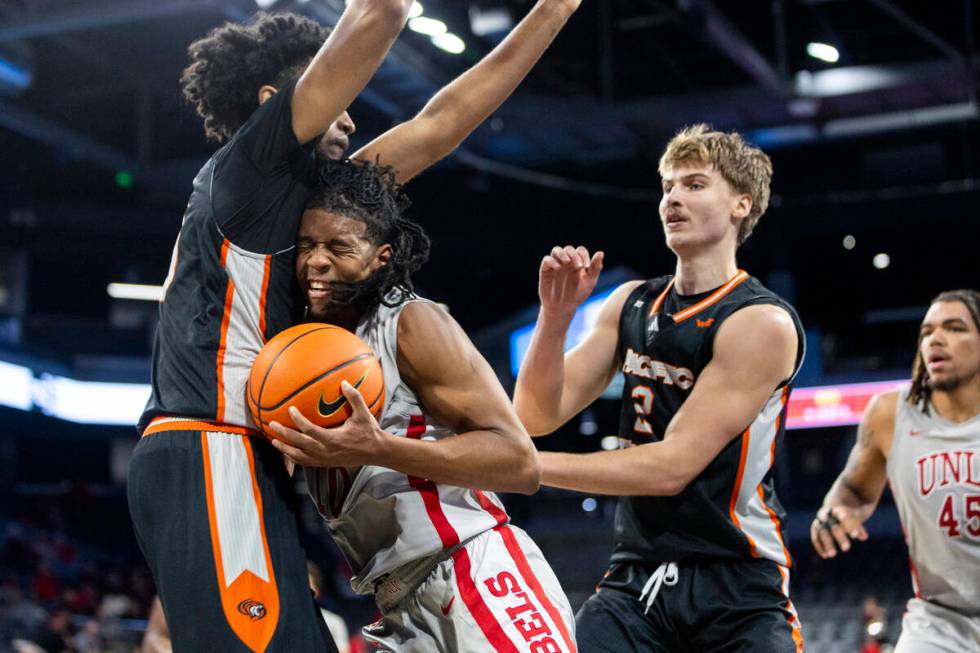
213, 507
708, 355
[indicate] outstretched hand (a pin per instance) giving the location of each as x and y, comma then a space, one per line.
834, 528
358, 441
567, 278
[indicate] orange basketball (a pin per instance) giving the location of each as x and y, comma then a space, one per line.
303, 367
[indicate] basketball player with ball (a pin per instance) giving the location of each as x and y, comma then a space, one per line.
408, 498
212, 505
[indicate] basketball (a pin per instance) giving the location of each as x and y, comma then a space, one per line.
303, 367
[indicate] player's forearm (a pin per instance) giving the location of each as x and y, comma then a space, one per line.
647, 470
485, 460
538, 391
464, 104
846, 493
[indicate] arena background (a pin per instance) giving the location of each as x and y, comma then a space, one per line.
873, 212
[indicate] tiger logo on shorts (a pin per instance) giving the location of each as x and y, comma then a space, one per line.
252, 609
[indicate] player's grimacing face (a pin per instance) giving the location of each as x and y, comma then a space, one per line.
333, 247
698, 206
949, 345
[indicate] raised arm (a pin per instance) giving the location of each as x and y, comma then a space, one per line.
855, 494
754, 351
458, 388
553, 386
459, 108
346, 62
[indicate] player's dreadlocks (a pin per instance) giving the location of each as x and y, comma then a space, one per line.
920, 394
368, 192
231, 63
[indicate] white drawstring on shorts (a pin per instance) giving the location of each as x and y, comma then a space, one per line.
665, 574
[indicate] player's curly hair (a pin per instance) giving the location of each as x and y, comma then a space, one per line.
231, 63
920, 394
369, 192
744, 166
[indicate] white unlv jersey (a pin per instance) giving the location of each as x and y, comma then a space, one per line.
934, 474
383, 519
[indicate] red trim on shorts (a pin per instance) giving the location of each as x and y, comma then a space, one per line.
492, 508
517, 555
430, 493
477, 606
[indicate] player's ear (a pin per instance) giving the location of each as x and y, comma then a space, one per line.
266, 92
383, 255
743, 206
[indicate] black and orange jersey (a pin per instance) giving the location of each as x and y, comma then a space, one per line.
230, 285
730, 510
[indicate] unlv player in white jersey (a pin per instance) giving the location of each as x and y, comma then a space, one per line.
925, 442
405, 499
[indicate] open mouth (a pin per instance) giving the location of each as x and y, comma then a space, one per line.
317, 289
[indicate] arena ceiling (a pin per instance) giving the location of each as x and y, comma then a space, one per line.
98, 78
88, 89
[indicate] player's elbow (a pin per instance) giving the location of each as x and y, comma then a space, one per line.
528, 478
672, 479
536, 422
671, 485
390, 13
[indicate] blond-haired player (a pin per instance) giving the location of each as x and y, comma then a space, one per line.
924, 441
708, 355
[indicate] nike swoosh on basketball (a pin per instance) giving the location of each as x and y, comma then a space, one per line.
915, 432
445, 610
326, 409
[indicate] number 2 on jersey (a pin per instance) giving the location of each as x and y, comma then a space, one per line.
643, 404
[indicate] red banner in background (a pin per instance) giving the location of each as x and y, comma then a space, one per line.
833, 405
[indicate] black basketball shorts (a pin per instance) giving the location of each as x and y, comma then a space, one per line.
713, 607
215, 514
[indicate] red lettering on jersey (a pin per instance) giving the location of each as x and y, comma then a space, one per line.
505, 584
531, 626
546, 645
527, 606
944, 468
925, 490
947, 519
950, 466
970, 480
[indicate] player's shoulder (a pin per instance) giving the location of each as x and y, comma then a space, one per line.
761, 321
424, 320
882, 406
637, 290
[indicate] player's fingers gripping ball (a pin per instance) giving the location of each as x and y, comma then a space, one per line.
303, 367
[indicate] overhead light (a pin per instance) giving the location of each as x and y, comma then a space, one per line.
489, 20
881, 261
265, 4
135, 291
823, 52
589, 504
427, 26
415, 10
849, 241
610, 442
449, 42
13, 77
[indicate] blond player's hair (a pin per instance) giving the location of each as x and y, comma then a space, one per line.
745, 167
